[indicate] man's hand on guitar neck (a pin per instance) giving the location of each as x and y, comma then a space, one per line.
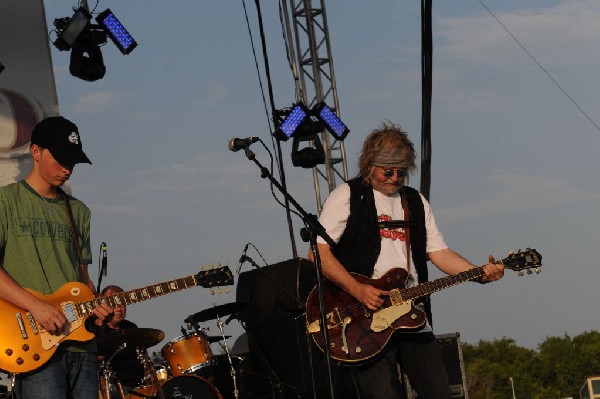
493, 271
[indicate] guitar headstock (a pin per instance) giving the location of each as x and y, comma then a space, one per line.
523, 260
213, 277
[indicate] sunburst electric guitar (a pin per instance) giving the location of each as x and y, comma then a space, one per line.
25, 345
357, 334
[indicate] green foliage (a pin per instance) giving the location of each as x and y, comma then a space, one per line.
556, 369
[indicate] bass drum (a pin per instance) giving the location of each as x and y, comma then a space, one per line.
189, 386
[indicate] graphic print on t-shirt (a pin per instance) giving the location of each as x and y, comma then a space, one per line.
393, 234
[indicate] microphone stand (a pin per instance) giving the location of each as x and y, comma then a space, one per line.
316, 229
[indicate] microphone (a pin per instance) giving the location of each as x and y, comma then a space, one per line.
104, 259
242, 258
236, 144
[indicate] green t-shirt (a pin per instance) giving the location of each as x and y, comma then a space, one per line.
36, 242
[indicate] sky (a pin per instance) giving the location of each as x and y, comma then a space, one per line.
514, 160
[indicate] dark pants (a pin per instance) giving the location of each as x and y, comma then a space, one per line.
67, 375
420, 358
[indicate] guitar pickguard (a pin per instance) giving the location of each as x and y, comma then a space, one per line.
384, 318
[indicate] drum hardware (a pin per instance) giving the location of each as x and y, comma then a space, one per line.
149, 368
107, 376
223, 343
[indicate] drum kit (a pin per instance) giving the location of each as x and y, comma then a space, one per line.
189, 363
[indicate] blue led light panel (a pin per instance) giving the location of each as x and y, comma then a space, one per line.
116, 31
333, 123
288, 127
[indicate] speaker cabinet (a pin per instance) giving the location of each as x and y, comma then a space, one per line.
455, 367
282, 361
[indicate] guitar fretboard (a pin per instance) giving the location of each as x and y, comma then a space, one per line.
140, 294
440, 284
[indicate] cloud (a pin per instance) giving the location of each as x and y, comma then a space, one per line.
97, 102
519, 193
217, 93
571, 27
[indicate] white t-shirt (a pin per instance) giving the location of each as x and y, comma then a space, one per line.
334, 218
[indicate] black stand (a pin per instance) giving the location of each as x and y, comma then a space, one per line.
316, 229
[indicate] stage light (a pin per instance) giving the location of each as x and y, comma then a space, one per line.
291, 122
116, 31
87, 62
331, 121
70, 28
307, 157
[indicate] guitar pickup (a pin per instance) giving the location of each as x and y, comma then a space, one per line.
21, 326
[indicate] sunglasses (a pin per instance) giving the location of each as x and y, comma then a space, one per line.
390, 172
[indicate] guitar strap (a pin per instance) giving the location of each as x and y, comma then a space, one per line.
406, 228
73, 229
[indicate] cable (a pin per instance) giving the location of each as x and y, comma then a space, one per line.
540, 65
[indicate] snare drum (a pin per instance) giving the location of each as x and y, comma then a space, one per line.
190, 386
187, 354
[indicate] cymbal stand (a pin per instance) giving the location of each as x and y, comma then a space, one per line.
108, 375
236, 392
143, 357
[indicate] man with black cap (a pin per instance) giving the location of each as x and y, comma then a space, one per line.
365, 218
41, 249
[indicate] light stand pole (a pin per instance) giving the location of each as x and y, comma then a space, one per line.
512, 384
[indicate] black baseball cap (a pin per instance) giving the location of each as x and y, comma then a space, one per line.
61, 137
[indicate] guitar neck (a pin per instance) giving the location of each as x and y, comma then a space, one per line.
430, 287
85, 309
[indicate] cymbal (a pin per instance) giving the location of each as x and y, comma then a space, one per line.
216, 338
131, 337
219, 310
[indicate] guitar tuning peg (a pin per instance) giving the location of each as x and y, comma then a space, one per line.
520, 273
227, 290
203, 267
511, 253
211, 266
528, 248
219, 265
529, 271
538, 270
219, 291
212, 292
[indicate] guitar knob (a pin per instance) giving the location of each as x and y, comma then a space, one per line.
36, 357
358, 349
19, 361
8, 352
25, 347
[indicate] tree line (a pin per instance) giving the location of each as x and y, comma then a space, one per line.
556, 369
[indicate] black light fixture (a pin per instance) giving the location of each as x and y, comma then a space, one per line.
70, 28
307, 157
1, 67
331, 121
87, 62
84, 40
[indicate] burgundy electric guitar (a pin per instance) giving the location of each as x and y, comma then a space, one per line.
356, 334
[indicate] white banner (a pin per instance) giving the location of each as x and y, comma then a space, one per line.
27, 87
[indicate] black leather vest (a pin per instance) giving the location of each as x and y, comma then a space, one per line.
360, 244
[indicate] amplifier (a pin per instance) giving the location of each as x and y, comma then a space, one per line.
455, 367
